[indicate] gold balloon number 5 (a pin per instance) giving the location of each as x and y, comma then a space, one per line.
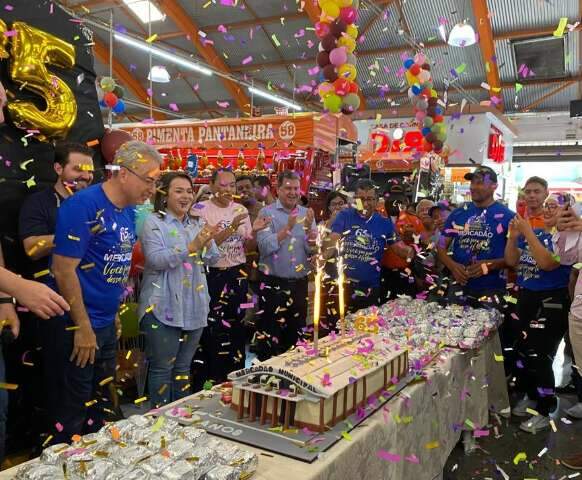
32, 49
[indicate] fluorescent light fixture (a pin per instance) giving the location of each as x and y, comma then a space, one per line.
159, 74
462, 35
160, 53
275, 98
145, 10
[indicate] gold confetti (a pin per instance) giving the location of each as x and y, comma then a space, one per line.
90, 402
137, 401
42, 273
152, 38
8, 386
105, 381
72, 237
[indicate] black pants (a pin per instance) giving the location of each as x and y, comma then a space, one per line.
282, 314
222, 346
85, 403
543, 319
53, 341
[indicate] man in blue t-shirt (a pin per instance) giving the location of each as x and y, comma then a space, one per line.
473, 243
94, 239
364, 235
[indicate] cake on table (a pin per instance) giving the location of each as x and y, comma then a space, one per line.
317, 390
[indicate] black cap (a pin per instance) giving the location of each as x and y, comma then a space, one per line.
439, 206
484, 172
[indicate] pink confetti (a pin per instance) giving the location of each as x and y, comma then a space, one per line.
174, 107
226, 324
222, 29
313, 71
499, 228
59, 427
480, 433
10, 33
248, 59
244, 306
412, 459
187, 266
223, 104
8, 8
390, 457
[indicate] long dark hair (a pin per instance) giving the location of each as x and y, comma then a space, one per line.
162, 189
331, 197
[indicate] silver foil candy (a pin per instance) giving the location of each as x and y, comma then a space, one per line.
183, 470
156, 464
129, 473
203, 458
242, 459
140, 421
131, 455
223, 472
195, 435
180, 448
156, 440
55, 454
96, 469
40, 471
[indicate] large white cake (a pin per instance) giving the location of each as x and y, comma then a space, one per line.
303, 389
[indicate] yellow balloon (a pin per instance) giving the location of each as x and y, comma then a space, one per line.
32, 49
331, 9
347, 71
434, 94
3, 40
348, 42
344, 3
410, 78
352, 31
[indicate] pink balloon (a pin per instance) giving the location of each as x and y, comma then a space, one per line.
322, 29
420, 116
420, 58
348, 15
338, 56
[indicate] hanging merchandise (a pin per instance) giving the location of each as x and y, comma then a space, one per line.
429, 113
337, 32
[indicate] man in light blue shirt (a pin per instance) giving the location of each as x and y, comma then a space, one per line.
285, 247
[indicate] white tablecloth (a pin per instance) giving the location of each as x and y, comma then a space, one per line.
422, 425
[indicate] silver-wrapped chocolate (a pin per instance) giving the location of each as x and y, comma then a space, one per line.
141, 421
120, 430
156, 440
183, 470
40, 471
129, 473
131, 455
96, 469
55, 454
156, 464
180, 448
243, 459
223, 472
195, 435
203, 458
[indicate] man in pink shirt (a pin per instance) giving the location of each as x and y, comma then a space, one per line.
569, 244
223, 341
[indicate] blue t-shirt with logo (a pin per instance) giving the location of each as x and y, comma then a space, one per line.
364, 242
91, 228
479, 234
531, 276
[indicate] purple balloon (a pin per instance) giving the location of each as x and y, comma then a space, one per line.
338, 56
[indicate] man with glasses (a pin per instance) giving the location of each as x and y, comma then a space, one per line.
365, 235
94, 239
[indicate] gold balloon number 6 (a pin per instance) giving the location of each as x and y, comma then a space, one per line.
32, 50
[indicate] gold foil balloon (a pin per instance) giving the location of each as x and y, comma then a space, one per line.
3, 40
32, 49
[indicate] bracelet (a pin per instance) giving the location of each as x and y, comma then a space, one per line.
6, 300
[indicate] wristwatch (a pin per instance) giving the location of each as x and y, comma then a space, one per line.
5, 300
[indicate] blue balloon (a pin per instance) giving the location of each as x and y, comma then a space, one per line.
119, 107
426, 131
102, 104
408, 63
192, 165
439, 110
416, 89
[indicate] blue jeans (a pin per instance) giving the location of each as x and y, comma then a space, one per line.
84, 402
3, 405
169, 351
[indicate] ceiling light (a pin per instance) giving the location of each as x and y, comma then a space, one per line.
275, 98
145, 10
462, 35
160, 53
159, 74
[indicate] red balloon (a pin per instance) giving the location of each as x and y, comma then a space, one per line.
415, 69
110, 99
329, 73
426, 67
426, 146
438, 146
322, 29
432, 101
342, 86
431, 138
439, 119
354, 87
323, 59
329, 42
111, 141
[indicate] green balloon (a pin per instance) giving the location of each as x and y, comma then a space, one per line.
428, 122
333, 103
119, 91
107, 84
435, 129
351, 101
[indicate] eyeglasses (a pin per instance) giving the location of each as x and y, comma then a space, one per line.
150, 181
551, 206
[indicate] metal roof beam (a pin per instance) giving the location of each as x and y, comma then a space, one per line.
183, 21
487, 44
126, 78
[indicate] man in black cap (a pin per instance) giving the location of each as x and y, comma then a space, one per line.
477, 234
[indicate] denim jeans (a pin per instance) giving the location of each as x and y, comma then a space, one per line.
169, 351
3, 405
84, 402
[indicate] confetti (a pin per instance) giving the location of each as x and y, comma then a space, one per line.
431, 445
390, 457
152, 38
559, 32
520, 457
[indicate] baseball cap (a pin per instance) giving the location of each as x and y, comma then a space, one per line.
484, 172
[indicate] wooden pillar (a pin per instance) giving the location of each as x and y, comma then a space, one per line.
345, 412
321, 416
355, 402
365, 393
385, 376
334, 413
252, 406
287, 405
264, 403
275, 412
241, 404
